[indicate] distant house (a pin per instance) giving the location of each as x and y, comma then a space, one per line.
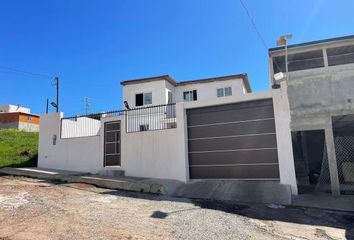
12, 116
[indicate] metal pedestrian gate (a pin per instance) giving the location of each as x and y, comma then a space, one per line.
233, 141
112, 143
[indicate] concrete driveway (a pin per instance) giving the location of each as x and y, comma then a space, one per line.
37, 209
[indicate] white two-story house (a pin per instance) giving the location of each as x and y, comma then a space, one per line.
164, 89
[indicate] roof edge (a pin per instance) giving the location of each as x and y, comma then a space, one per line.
313, 42
23, 113
150, 79
168, 78
242, 76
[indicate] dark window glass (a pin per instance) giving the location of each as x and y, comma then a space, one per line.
299, 61
194, 95
144, 127
190, 96
139, 99
340, 55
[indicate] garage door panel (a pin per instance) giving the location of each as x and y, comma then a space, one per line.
234, 157
234, 106
231, 115
242, 128
236, 172
232, 143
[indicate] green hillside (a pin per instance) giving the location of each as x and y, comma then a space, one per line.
18, 148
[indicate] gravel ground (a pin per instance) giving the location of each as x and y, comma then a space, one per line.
36, 209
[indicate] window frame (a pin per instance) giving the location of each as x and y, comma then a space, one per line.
144, 103
190, 95
223, 91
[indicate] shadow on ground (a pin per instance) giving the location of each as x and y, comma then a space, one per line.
30, 162
298, 215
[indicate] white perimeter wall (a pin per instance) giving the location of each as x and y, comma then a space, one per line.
160, 153
155, 154
75, 154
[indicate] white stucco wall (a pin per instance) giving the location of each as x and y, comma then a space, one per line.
160, 89
155, 154
157, 88
75, 154
80, 127
207, 90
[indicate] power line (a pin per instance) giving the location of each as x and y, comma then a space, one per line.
24, 71
254, 25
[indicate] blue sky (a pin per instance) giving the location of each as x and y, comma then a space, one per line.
93, 45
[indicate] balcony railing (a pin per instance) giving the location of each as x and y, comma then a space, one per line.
151, 118
148, 118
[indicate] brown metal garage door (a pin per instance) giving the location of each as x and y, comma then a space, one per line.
234, 141
112, 143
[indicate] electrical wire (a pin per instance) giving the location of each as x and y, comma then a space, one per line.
256, 30
254, 25
9, 69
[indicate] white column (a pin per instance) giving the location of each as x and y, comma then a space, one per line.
332, 160
181, 118
283, 135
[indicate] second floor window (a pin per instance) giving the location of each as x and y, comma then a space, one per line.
224, 92
142, 99
189, 96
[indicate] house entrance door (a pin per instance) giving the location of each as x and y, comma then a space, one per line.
112, 143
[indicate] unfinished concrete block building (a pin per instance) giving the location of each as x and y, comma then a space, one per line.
320, 91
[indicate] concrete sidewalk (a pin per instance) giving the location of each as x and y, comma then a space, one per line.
325, 201
237, 191
120, 183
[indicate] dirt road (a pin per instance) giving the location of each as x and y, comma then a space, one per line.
36, 209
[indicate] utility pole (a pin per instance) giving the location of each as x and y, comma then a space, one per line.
283, 41
57, 88
87, 105
46, 106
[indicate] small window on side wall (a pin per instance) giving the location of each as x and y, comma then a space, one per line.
139, 99
147, 98
224, 92
220, 92
29, 118
189, 96
228, 91
142, 99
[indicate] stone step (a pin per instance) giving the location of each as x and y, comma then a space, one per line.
112, 172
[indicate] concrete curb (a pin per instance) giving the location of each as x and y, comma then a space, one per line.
71, 177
